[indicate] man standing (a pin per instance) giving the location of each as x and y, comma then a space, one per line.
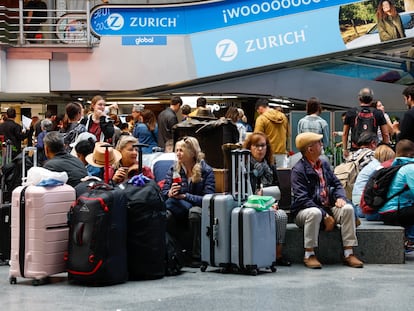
201, 102
167, 119
13, 131
275, 125
407, 123
320, 201
361, 119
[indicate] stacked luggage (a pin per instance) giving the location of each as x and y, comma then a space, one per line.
233, 237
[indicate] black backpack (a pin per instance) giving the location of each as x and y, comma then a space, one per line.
375, 193
364, 122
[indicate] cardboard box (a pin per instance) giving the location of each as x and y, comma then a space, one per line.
221, 176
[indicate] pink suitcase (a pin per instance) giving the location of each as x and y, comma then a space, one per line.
39, 233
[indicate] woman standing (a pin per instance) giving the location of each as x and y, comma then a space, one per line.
147, 131
389, 21
97, 122
71, 127
264, 174
186, 182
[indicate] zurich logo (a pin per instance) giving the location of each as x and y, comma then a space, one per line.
226, 50
115, 21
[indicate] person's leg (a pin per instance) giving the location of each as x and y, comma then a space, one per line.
281, 219
194, 217
345, 217
310, 220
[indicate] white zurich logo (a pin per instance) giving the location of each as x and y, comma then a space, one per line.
115, 21
226, 50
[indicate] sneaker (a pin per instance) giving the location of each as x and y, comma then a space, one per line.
353, 262
312, 262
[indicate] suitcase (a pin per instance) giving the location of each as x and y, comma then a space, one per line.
146, 243
211, 135
215, 224
97, 237
253, 233
5, 233
39, 230
97, 253
5, 209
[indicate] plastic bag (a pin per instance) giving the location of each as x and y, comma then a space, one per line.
44, 177
259, 202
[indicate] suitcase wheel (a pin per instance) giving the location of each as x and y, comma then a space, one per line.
13, 280
253, 272
203, 268
273, 268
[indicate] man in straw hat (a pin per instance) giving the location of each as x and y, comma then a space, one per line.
320, 202
61, 161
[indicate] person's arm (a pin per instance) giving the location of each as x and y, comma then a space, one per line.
259, 126
385, 134
209, 188
325, 133
345, 133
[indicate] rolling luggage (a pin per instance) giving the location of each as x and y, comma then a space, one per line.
39, 234
97, 237
215, 225
253, 233
97, 253
146, 244
211, 135
5, 210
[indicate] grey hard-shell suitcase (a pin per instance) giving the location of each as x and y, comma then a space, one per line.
253, 233
215, 223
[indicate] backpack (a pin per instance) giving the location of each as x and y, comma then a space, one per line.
174, 256
364, 122
347, 173
375, 193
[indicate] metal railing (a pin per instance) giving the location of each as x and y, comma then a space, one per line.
59, 28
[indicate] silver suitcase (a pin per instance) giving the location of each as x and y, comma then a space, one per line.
215, 222
253, 233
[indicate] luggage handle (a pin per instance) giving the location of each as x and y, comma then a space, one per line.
140, 146
101, 186
28, 149
244, 188
106, 169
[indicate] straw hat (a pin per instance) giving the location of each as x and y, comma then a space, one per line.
97, 157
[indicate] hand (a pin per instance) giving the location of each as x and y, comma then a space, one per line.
329, 222
340, 203
346, 153
174, 191
120, 175
275, 206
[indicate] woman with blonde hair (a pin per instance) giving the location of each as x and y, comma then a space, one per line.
186, 182
383, 156
128, 164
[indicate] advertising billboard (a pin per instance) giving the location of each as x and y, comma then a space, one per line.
230, 36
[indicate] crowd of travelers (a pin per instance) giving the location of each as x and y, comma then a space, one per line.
76, 144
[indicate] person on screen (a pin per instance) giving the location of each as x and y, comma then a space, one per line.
389, 21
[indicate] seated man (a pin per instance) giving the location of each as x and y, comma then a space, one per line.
60, 160
319, 201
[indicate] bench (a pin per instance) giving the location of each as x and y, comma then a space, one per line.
377, 244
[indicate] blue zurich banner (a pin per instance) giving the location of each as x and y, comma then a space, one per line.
184, 19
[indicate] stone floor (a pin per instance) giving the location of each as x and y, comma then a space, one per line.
334, 287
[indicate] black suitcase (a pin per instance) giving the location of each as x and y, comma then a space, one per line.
97, 237
146, 245
5, 233
211, 135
